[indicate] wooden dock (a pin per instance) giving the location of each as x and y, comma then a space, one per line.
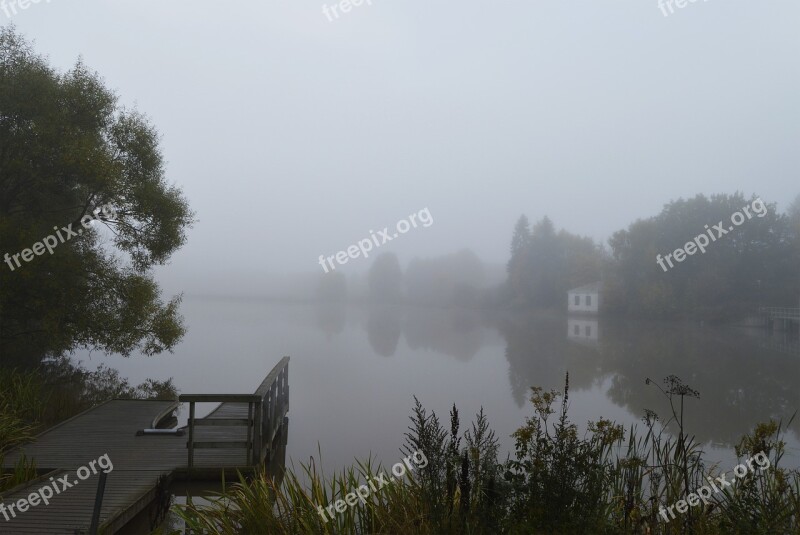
239, 436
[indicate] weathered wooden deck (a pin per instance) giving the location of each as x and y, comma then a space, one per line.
139, 460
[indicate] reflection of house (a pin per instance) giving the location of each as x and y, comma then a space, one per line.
585, 331
584, 299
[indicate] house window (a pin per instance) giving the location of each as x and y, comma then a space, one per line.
588, 331
577, 300
576, 330
588, 300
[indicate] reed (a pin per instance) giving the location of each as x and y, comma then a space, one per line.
21, 407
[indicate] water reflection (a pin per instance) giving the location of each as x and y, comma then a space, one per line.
384, 328
584, 331
458, 333
540, 355
331, 318
741, 378
744, 377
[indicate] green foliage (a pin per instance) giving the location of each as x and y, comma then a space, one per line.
106, 383
72, 388
68, 149
559, 480
754, 264
22, 402
458, 486
263, 505
761, 503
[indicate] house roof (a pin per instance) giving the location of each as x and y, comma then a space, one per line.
588, 288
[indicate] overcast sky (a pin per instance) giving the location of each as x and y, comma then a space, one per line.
293, 136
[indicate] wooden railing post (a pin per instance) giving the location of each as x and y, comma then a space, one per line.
257, 435
267, 423
286, 388
191, 434
250, 430
98, 503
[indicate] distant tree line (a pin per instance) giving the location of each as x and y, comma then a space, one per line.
456, 279
754, 264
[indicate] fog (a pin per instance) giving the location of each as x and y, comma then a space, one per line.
294, 136
598, 198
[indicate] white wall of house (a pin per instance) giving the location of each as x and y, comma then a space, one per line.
583, 302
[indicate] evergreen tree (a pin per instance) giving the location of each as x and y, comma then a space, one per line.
520, 240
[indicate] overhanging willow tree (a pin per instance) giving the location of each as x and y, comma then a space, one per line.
68, 148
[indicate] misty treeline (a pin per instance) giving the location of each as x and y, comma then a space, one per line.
755, 264
456, 279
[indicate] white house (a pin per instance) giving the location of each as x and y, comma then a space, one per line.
585, 299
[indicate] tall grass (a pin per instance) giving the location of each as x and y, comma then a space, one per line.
262, 506
21, 407
610, 480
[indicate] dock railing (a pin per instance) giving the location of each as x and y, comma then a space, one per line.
266, 410
275, 394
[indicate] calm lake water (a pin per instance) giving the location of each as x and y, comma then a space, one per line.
354, 371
